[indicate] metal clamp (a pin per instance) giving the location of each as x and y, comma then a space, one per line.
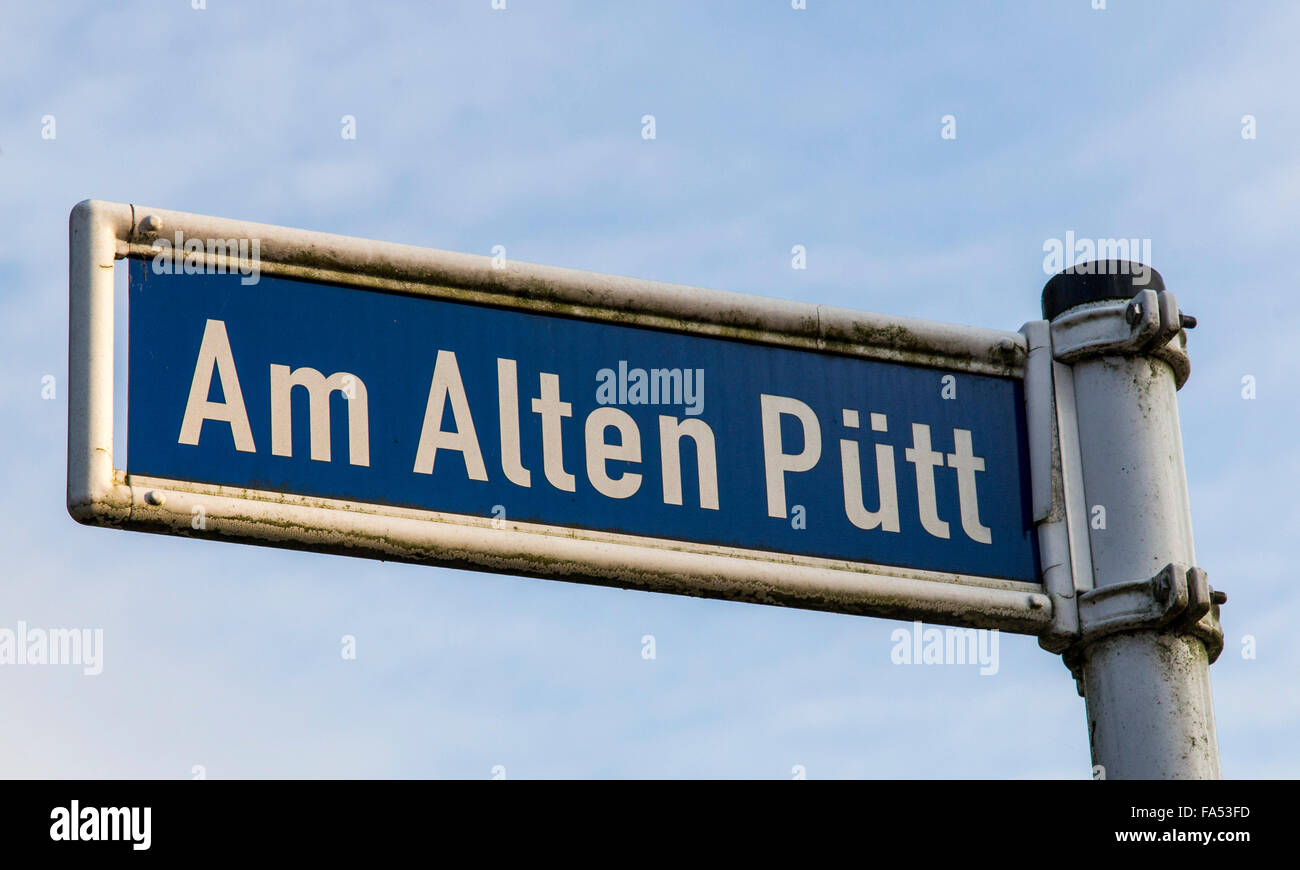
1178, 599
1149, 323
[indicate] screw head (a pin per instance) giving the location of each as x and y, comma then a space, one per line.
151, 224
154, 497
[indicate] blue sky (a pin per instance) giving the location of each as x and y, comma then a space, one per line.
522, 127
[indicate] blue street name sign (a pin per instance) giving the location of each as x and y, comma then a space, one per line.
312, 391
379, 398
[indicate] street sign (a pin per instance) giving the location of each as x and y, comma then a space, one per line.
304, 390
319, 392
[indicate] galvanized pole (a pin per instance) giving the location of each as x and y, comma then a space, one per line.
1148, 624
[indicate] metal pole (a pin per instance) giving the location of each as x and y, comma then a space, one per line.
1149, 624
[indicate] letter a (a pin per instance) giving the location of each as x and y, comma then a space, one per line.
447, 383
214, 352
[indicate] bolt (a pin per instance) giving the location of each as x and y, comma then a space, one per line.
154, 497
1036, 602
1162, 585
151, 224
1218, 597
1186, 321
1133, 313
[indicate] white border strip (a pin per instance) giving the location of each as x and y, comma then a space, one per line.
98, 494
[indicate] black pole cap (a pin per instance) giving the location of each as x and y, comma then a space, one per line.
1095, 281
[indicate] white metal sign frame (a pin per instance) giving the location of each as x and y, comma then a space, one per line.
101, 494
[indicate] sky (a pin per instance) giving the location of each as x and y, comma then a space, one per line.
522, 127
